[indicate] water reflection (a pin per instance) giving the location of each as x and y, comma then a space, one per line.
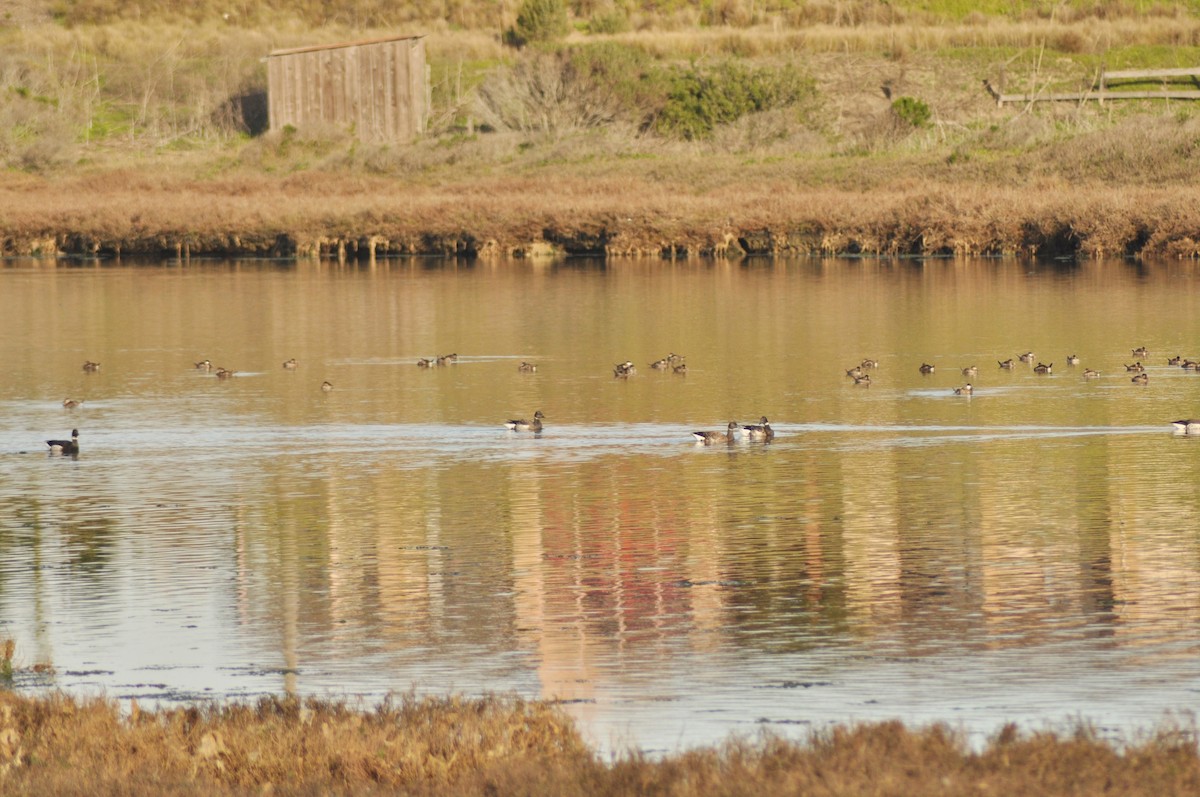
895, 551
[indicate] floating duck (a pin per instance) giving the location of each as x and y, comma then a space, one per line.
527, 368
965, 390
65, 446
523, 425
708, 438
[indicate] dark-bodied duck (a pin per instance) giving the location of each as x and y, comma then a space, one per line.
1176, 360
926, 368
869, 363
523, 425
1141, 379
624, 370
1027, 357
326, 386
759, 431
527, 368
971, 370
1090, 373
862, 381
1007, 364
447, 359
1136, 368
855, 372
1187, 426
1042, 368
204, 365
90, 366
71, 403
680, 369
1140, 351
708, 438
424, 362
1072, 359
65, 446
965, 390
290, 365
661, 365
224, 373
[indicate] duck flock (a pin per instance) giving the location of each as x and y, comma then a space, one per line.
674, 363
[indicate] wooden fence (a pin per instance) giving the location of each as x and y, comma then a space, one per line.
378, 89
1101, 91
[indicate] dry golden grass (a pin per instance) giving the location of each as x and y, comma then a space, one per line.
56, 745
623, 213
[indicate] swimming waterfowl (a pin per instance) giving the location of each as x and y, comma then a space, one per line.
971, 370
708, 438
855, 372
1042, 368
91, 366
661, 365
523, 425
71, 403
204, 365
965, 390
869, 363
1141, 378
1027, 357
680, 369
1136, 368
223, 373
290, 364
1187, 425
759, 431
1140, 351
926, 368
1089, 373
1009, 364
675, 359
447, 359
424, 363
1190, 365
863, 381
527, 368
1072, 359
326, 386
1176, 360
625, 369
65, 446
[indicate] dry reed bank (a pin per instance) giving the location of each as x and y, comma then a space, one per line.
55, 745
706, 127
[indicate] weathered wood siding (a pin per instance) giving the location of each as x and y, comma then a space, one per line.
378, 89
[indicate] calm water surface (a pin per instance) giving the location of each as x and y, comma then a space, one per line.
1030, 553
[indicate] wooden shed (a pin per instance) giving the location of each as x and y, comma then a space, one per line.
378, 88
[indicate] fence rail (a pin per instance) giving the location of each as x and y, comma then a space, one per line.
1102, 92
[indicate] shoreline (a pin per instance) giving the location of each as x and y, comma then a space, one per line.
363, 219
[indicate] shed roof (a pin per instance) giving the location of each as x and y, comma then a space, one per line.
318, 47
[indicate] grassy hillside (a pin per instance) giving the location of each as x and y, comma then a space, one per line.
696, 97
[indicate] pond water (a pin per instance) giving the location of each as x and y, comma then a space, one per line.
1028, 553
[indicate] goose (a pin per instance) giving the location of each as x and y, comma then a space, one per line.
759, 431
523, 425
65, 446
708, 438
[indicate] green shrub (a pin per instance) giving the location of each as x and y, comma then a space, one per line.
540, 21
614, 21
911, 111
697, 101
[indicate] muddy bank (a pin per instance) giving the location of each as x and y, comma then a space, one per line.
360, 221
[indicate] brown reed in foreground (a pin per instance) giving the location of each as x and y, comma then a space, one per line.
508, 746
